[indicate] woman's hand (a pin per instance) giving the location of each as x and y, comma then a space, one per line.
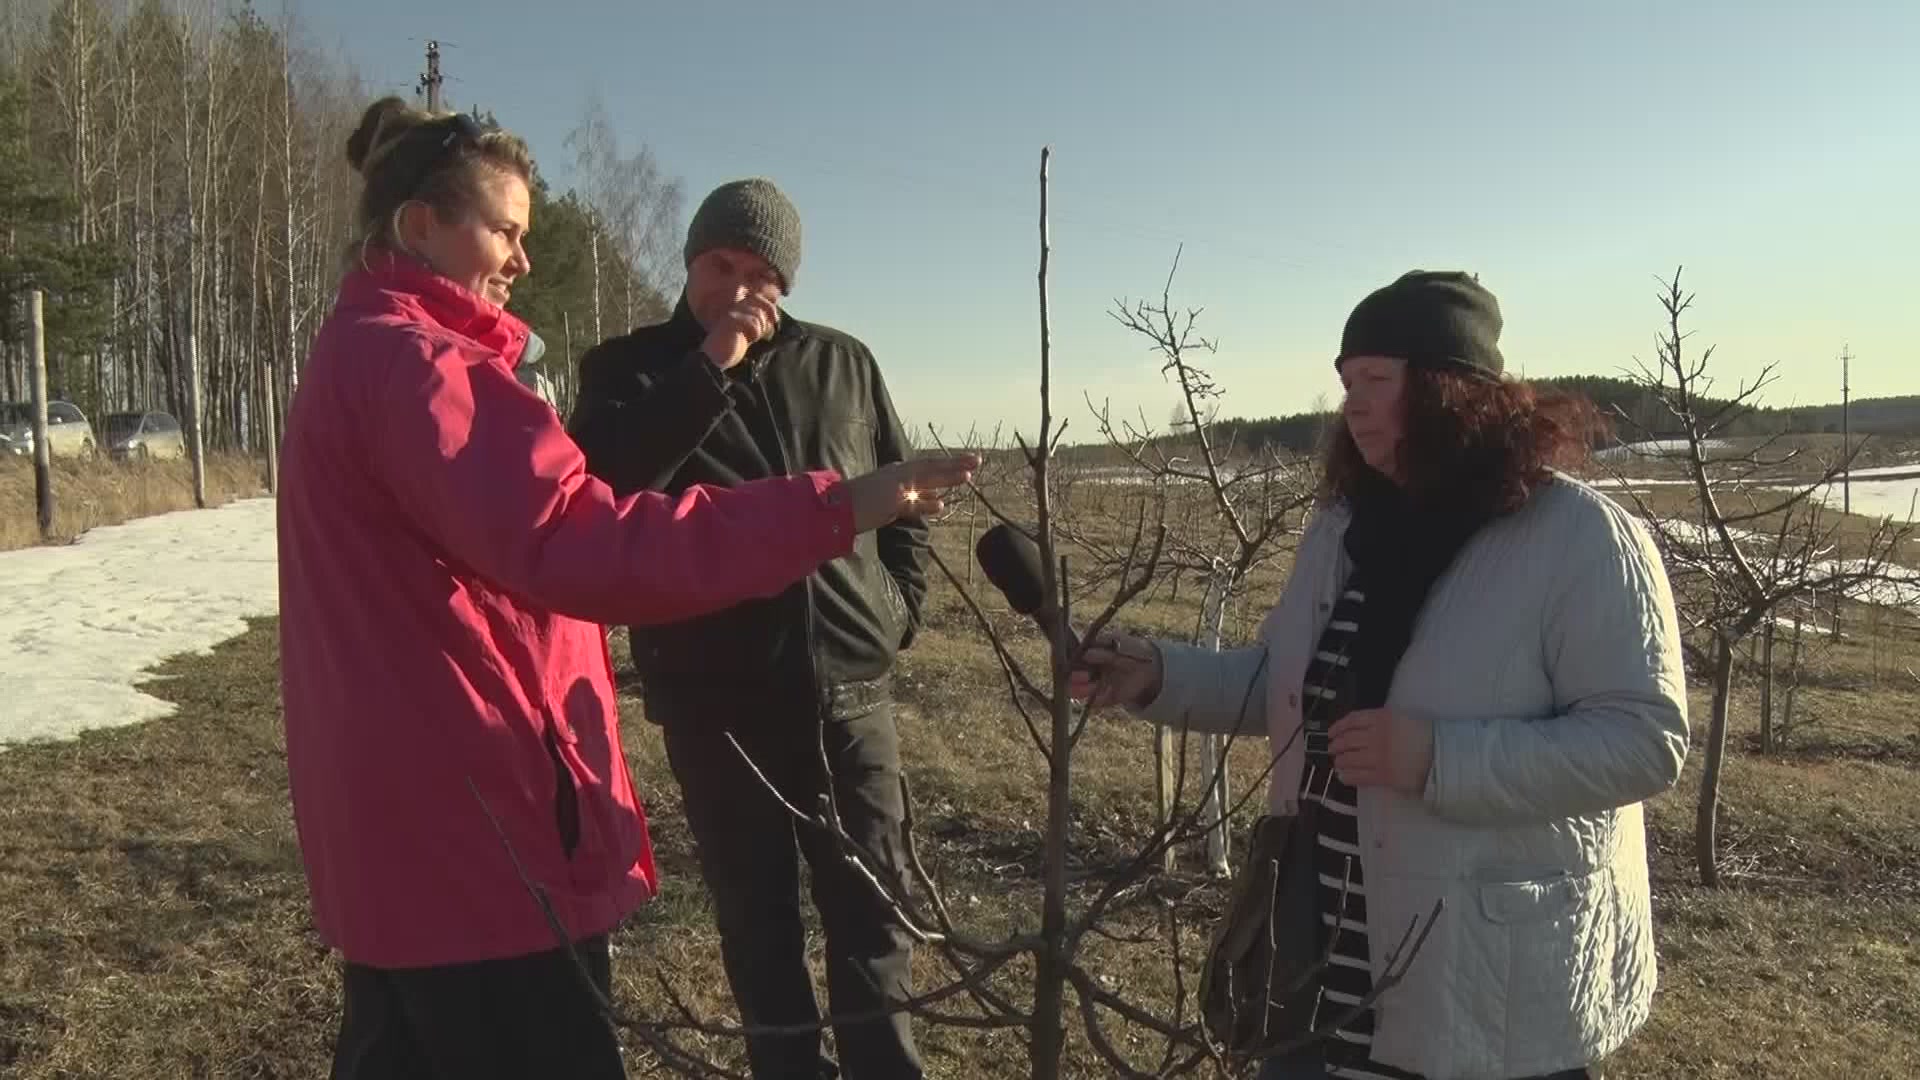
907, 489
1118, 669
1382, 748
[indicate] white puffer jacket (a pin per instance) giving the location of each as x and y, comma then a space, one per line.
1548, 658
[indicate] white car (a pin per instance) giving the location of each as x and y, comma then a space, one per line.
68, 433
143, 436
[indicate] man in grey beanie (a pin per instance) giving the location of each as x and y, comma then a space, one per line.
729, 389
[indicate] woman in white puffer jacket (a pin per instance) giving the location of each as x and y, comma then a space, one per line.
1483, 657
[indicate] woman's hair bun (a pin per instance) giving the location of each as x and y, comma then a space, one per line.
383, 121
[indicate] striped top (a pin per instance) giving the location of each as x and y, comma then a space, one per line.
1347, 979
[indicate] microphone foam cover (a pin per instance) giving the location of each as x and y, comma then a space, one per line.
1012, 563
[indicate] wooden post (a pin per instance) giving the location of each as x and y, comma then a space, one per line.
1793, 674
37, 386
270, 405
1766, 684
1166, 767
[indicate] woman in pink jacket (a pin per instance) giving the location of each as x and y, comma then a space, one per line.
446, 564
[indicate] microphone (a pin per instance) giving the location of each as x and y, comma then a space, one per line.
1012, 564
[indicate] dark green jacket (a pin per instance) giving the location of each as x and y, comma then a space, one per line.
654, 414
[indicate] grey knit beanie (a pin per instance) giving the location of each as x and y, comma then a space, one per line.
751, 215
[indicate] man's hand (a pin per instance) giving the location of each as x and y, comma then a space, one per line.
907, 488
1382, 748
751, 318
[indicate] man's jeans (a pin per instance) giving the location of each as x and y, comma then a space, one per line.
750, 848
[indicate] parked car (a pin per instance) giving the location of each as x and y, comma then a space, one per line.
143, 435
68, 432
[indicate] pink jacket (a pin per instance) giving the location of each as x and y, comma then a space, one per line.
445, 563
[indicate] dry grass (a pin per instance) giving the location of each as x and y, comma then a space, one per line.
153, 919
104, 492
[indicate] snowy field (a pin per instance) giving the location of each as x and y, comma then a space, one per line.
1660, 448
86, 620
1903, 591
1896, 499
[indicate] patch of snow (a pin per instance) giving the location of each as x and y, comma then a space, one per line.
86, 621
1655, 448
1903, 592
1639, 482
1897, 472
1896, 499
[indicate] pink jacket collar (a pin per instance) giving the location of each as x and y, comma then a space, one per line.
437, 299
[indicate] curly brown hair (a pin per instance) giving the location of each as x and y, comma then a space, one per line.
1473, 443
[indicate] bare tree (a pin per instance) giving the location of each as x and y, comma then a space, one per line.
1254, 497
640, 208
1754, 539
190, 317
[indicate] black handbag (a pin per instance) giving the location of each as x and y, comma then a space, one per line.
1261, 981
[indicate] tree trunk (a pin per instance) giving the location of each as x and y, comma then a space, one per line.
597, 335
258, 382
284, 392
1050, 971
1048, 1032
196, 437
1705, 848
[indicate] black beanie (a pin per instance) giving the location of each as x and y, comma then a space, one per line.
1430, 319
751, 215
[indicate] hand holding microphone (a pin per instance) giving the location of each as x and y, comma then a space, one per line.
1120, 669
1116, 668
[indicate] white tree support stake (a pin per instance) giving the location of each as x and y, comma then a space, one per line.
1213, 763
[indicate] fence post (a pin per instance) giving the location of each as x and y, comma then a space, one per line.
37, 383
1165, 778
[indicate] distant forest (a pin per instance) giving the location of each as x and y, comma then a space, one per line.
1301, 432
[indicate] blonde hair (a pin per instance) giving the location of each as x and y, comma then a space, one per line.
404, 155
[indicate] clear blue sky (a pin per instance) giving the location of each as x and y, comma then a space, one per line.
1304, 153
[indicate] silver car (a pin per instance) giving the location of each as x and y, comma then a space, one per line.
68, 433
143, 436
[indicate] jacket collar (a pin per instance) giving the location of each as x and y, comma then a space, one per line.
388, 278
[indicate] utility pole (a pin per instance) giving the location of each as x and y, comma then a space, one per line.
430, 82
1846, 434
37, 384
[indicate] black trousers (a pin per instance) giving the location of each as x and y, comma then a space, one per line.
511, 1019
750, 850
